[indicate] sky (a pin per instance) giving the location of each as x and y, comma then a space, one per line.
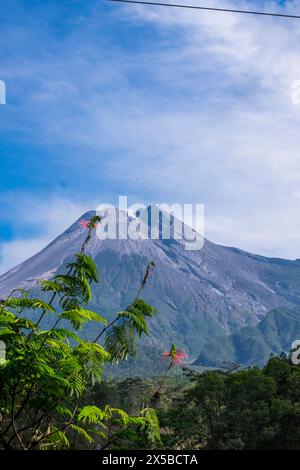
162, 105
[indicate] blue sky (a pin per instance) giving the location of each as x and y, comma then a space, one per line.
159, 104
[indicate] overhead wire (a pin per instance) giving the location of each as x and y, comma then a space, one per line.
198, 7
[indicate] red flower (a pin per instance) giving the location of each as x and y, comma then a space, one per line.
84, 223
178, 357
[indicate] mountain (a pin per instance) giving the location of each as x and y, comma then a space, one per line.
253, 345
201, 295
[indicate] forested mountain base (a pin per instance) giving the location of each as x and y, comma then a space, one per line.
245, 409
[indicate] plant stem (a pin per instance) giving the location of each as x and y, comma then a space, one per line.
164, 376
142, 285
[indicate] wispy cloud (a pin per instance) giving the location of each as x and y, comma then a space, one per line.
35, 223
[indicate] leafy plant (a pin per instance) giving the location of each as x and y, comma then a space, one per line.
47, 371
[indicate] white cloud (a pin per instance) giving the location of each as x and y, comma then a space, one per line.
212, 120
50, 217
14, 252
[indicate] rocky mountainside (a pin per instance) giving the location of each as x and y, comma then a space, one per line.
201, 295
252, 345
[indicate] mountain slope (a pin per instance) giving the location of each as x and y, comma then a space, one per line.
199, 294
254, 344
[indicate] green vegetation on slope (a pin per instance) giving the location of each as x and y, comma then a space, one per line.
254, 344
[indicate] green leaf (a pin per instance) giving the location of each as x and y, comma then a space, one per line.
6, 331
62, 410
84, 265
144, 308
7, 317
50, 286
91, 414
61, 333
151, 424
137, 320
120, 341
120, 413
57, 439
33, 304
82, 432
79, 316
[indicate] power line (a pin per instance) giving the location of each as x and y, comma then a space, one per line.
194, 7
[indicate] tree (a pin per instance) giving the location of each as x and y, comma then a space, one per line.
245, 409
47, 371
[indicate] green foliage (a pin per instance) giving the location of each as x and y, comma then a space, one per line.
113, 424
46, 374
216, 409
245, 409
33, 304
120, 339
254, 344
79, 316
84, 267
91, 414
151, 424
